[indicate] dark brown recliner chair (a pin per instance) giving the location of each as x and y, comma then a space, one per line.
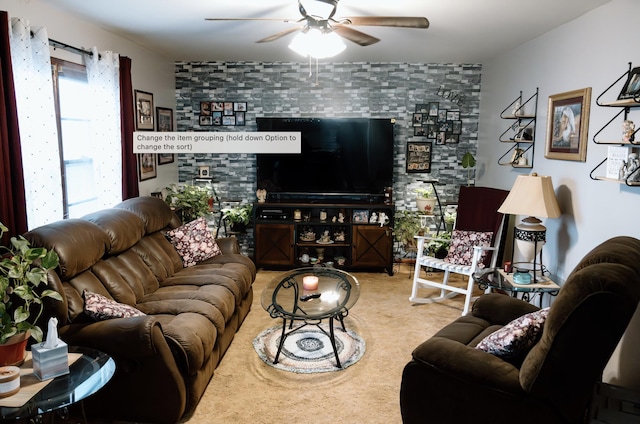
449, 381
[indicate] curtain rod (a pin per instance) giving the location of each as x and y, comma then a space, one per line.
65, 46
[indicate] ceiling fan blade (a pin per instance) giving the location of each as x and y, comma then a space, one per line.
279, 35
390, 21
355, 36
253, 19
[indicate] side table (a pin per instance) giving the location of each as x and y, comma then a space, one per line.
88, 374
497, 279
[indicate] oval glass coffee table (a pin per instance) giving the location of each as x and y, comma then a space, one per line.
310, 295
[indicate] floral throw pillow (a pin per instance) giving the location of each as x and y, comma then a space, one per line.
461, 247
101, 308
514, 340
194, 242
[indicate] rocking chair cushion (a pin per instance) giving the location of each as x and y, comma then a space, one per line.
461, 247
514, 340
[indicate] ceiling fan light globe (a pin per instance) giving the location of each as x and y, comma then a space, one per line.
317, 44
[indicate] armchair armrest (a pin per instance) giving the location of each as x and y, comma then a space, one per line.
132, 338
451, 357
500, 309
228, 244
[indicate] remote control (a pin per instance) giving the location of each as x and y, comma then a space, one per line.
309, 296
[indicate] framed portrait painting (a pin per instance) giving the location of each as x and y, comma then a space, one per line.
164, 119
568, 125
147, 168
144, 110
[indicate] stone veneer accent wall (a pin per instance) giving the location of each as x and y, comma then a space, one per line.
371, 90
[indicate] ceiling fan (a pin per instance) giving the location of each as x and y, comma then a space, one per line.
319, 14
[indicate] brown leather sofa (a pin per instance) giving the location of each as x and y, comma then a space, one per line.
165, 359
448, 380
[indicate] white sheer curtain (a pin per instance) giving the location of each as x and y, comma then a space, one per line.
103, 73
37, 121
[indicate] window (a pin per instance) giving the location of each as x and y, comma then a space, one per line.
78, 162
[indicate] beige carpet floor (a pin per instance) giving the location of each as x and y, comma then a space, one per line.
246, 390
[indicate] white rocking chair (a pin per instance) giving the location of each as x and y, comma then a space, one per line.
477, 213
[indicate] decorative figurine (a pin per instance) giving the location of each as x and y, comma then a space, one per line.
384, 219
262, 195
374, 218
628, 129
341, 217
633, 165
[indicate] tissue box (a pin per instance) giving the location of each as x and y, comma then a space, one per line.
50, 363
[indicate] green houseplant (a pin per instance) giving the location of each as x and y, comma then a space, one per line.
468, 161
406, 225
23, 270
238, 217
192, 199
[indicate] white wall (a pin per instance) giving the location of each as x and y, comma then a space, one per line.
150, 71
591, 51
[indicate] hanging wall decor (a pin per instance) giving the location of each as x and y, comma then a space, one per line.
222, 113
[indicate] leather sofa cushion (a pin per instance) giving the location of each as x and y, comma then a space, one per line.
78, 243
123, 227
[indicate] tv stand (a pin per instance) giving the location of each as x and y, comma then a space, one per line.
289, 231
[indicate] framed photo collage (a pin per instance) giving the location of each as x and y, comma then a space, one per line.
222, 113
441, 125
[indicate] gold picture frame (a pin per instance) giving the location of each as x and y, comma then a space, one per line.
568, 125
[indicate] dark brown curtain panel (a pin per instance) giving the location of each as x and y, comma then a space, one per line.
129, 169
13, 207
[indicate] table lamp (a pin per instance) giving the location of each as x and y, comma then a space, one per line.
532, 196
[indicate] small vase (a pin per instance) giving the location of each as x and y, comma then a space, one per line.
12, 352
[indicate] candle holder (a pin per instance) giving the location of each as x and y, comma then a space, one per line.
310, 282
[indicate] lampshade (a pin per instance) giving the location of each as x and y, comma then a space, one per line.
532, 195
317, 44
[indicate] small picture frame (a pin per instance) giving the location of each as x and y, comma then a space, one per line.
227, 109
631, 87
361, 215
205, 108
217, 106
240, 119
422, 108
419, 156
240, 106
147, 168
216, 117
144, 110
165, 158
228, 120
206, 120
417, 119
433, 108
568, 125
164, 119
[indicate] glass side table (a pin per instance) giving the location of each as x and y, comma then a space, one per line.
91, 372
497, 279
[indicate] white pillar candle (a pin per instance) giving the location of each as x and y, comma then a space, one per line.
310, 282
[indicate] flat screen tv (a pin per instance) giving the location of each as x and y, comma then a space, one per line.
339, 156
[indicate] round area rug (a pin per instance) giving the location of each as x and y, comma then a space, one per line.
309, 350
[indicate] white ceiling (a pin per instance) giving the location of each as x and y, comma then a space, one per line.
460, 31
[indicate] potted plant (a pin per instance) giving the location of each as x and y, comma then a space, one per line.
238, 217
468, 161
439, 245
406, 225
194, 201
23, 270
425, 199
